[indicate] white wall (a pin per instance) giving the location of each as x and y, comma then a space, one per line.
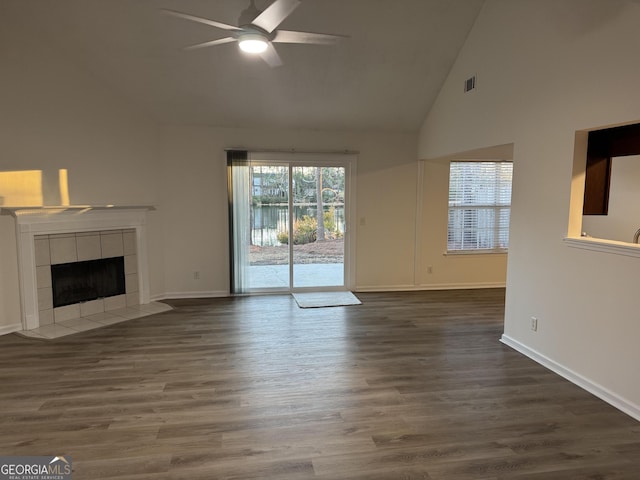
391, 210
546, 69
55, 115
623, 218
435, 269
10, 319
195, 200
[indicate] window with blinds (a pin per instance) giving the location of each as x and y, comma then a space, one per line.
479, 206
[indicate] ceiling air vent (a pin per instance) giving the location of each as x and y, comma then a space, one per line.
469, 84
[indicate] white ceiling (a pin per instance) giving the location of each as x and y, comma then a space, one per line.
384, 77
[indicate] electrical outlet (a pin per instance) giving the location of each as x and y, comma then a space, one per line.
429, 269
534, 324
196, 275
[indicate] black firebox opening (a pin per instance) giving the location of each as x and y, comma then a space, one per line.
89, 280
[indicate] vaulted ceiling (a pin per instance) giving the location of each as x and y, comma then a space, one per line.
385, 76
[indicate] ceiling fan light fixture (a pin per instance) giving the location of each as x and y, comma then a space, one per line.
253, 43
258, 31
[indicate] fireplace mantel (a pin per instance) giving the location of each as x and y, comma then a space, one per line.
51, 210
32, 221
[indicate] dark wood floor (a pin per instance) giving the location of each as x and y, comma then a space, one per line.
405, 386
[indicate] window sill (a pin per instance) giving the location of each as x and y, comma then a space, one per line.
455, 253
602, 245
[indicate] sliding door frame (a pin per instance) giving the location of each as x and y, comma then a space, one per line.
348, 161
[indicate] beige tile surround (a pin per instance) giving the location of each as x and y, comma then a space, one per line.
76, 247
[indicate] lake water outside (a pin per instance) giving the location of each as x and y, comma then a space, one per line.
269, 220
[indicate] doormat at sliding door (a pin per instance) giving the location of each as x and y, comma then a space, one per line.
325, 299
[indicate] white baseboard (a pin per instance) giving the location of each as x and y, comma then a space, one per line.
599, 391
7, 329
180, 295
426, 287
365, 288
461, 286
384, 288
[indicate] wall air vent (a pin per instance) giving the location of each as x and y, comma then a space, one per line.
469, 84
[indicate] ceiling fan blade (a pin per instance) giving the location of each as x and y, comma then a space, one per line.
289, 36
271, 57
211, 43
206, 21
275, 14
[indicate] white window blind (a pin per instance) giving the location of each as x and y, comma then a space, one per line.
479, 206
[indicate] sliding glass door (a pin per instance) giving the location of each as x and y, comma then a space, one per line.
288, 224
269, 223
318, 226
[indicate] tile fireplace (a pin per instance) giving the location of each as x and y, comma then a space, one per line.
57, 238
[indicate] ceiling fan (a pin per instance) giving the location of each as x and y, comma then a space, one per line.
258, 30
